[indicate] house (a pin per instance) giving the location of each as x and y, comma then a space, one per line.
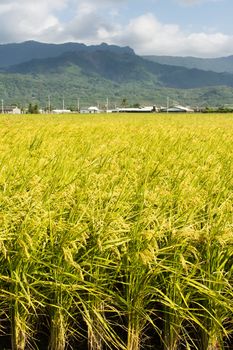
93, 109
11, 110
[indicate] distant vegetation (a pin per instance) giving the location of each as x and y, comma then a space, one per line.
30, 72
116, 232
33, 109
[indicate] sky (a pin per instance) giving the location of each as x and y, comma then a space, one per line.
200, 28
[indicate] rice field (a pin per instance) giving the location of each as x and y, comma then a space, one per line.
116, 232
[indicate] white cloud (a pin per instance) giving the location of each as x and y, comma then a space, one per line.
27, 20
149, 36
95, 21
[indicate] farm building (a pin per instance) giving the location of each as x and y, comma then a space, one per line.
11, 110
92, 110
148, 109
61, 111
178, 109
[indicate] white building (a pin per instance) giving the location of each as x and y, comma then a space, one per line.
147, 109
61, 111
93, 109
179, 109
11, 110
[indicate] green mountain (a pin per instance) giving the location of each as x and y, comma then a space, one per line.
73, 84
12, 54
219, 65
123, 68
95, 73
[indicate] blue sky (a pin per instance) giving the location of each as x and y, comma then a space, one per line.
201, 28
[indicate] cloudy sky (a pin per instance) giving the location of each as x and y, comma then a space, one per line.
200, 28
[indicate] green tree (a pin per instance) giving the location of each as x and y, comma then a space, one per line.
33, 109
124, 102
30, 108
36, 109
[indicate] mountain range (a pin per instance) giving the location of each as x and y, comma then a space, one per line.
32, 71
219, 64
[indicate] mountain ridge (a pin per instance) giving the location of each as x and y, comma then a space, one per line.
124, 67
92, 72
16, 53
218, 64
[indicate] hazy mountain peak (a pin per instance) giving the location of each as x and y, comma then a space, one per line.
16, 53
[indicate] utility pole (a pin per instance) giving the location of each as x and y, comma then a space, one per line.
78, 104
63, 103
107, 104
49, 104
2, 106
167, 103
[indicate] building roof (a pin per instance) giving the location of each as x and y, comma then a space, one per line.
180, 108
93, 108
10, 108
135, 109
61, 111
